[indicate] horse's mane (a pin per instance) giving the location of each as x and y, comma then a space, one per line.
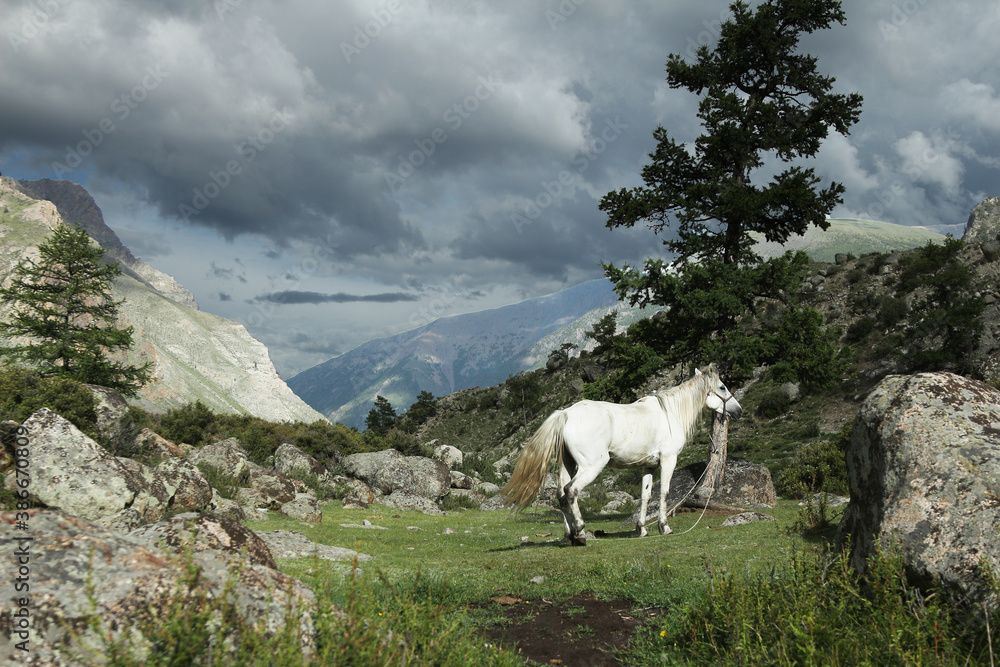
683, 403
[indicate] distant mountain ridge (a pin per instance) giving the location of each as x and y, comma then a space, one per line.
483, 349
195, 355
476, 349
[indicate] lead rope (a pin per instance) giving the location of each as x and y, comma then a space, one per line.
685, 496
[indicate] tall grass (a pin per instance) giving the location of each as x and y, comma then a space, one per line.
818, 611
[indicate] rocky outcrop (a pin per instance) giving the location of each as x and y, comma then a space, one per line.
289, 460
196, 533
195, 355
75, 474
390, 471
924, 473
88, 575
303, 507
450, 456
228, 456
186, 485
984, 222
745, 484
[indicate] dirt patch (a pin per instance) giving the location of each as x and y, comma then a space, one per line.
580, 630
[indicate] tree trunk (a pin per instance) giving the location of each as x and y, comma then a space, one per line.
716, 470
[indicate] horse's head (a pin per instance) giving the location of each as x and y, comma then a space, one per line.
719, 397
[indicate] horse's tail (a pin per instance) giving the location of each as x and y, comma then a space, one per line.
529, 473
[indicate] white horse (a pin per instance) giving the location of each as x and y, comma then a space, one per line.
589, 435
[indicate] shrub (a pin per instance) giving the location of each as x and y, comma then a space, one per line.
23, 392
817, 467
772, 403
859, 330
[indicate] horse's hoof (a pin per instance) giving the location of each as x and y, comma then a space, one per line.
578, 540
665, 529
641, 532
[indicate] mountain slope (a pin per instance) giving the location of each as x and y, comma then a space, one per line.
195, 355
448, 354
482, 349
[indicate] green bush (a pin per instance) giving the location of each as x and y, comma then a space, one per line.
773, 403
816, 467
859, 330
23, 392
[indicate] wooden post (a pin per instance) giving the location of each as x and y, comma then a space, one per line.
718, 447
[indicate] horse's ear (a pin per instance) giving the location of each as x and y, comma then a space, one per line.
697, 371
712, 369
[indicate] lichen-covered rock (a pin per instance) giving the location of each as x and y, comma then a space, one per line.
87, 573
290, 460
450, 456
461, 480
187, 485
924, 473
402, 500
291, 544
150, 443
743, 518
225, 507
228, 456
746, 484
303, 507
390, 471
984, 222
204, 532
110, 406
277, 488
73, 473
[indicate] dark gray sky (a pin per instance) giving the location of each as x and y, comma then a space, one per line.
328, 172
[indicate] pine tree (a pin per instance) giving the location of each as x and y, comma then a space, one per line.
62, 304
381, 417
762, 103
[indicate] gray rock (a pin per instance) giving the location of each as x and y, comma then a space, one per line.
275, 487
390, 471
75, 474
291, 544
408, 501
226, 508
450, 456
924, 473
745, 484
204, 532
290, 460
186, 484
110, 407
304, 507
151, 444
461, 481
743, 518
89, 573
226, 455
476, 496
984, 222
991, 250
840, 258
486, 488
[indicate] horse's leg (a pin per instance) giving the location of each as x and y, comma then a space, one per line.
667, 464
584, 476
564, 479
647, 489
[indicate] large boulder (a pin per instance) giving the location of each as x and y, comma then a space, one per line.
924, 472
187, 485
196, 532
84, 575
275, 487
451, 456
303, 507
152, 444
110, 406
746, 484
390, 471
228, 456
984, 222
290, 460
71, 472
